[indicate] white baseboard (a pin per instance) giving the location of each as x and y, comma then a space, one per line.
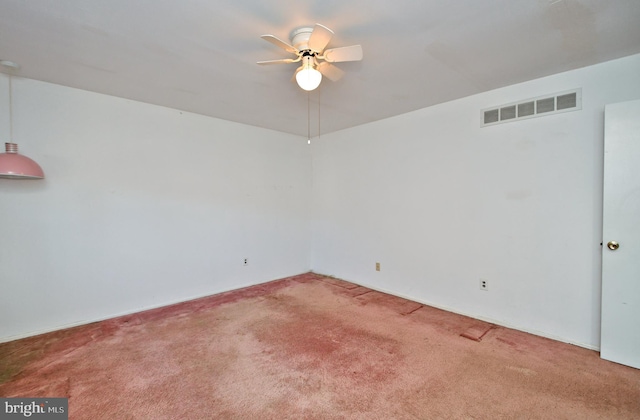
475, 316
126, 313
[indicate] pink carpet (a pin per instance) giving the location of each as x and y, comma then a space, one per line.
313, 347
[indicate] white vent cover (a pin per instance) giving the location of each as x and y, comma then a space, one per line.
535, 107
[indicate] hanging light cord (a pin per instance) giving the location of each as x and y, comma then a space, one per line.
10, 111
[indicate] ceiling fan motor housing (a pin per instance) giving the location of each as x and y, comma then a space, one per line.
300, 38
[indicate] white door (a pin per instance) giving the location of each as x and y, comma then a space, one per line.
620, 334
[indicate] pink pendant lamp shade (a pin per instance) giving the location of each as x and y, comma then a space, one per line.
13, 165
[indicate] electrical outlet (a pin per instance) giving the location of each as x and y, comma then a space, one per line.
377, 266
484, 284
246, 261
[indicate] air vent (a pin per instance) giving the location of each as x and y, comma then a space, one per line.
526, 109
492, 116
533, 107
567, 101
507, 113
545, 105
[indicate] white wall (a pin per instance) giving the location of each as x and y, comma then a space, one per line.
145, 206
441, 203
141, 206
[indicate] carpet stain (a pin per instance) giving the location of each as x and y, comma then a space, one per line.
477, 331
340, 283
400, 305
524, 371
316, 341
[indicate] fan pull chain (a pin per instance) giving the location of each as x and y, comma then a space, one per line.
308, 117
319, 113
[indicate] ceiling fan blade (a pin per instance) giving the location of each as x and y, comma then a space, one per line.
279, 43
320, 37
281, 61
330, 71
336, 55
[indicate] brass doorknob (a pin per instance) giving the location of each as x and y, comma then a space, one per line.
613, 245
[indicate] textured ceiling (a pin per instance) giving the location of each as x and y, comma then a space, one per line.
199, 55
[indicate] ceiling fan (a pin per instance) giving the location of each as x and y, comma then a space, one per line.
309, 46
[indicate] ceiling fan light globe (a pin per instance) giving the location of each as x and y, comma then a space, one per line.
308, 78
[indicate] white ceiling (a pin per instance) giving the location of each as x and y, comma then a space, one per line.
199, 55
